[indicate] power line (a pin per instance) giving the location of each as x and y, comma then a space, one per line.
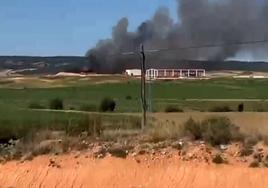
242, 43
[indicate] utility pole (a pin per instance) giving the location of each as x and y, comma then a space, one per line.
143, 87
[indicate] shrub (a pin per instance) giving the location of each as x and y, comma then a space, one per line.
193, 129
246, 151
258, 156
92, 125
128, 97
72, 108
237, 136
265, 165
252, 140
88, 108
265, 140
107, 104
254, 164
56, 104
172, 108
221, 109
248, 145
241, 107
218, 159
118, 152
218, 131
35, 105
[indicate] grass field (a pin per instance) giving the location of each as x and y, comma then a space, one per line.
189, 95
195, 95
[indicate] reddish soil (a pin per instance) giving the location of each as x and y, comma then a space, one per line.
134, 172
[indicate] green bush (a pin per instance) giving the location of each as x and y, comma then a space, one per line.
172, 108
221, 109
240, 107
56, 104
107, 105
193, 129
35, 105
218, 159
88, 108
128, 97
217, 131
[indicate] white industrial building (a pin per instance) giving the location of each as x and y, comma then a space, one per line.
170, 74
158, 74
133, 72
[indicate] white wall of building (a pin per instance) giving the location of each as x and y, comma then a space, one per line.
133, 72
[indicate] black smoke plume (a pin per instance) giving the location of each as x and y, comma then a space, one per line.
199, 22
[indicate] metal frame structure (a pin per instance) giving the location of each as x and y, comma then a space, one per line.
158, 74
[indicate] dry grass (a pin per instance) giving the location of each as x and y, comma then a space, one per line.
250, 123
60, 81
164, 130
163, 127
41, 142
115, 135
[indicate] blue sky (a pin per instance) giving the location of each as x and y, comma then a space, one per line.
66, 27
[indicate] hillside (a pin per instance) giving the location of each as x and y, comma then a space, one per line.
51, 65
43, 65
226, 65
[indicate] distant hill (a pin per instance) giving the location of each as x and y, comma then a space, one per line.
169, 63
52, 65
44, 65
218, 65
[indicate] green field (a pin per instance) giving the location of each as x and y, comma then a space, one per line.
189, 95
198, 95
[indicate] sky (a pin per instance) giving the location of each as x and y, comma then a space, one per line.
67, 27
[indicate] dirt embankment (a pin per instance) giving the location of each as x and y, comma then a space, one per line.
82, 171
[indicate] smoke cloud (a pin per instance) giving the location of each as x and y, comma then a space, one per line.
199, 22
